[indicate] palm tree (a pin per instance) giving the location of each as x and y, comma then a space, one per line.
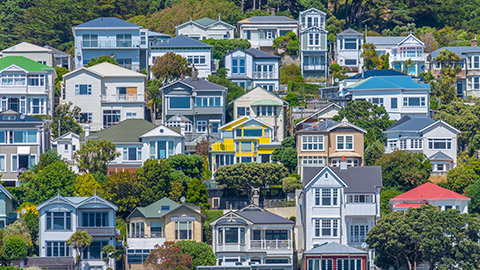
79, 240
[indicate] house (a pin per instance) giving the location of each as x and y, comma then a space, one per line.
339, 204
252, 68
252, 238
307, 117
328, 143
313, 43
61, 216
137, 140
26, 86
106, 93
196, 105
260, 31
22, 140
348, 51
335, 256
436, 139
401, 49
155, 38
66, 146
163, 220
206, 28
468, 79
264, 106
36, 53
8, 205
243, 140
399, 95
198, 53
432, 194
365, 74
121, 40
62, 59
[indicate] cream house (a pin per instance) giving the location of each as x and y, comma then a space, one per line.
36, 53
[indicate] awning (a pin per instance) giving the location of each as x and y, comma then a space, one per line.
267, 102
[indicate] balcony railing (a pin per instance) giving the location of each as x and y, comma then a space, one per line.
86, 44
145, 235
122, 98
99, 231
270, 244
265, 75
314, 67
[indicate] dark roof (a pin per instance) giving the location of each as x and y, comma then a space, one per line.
350, 32
9, 116
258, 215
440, 156
56, 51
334, 248
107, 22
358, 179
459, 50
384, 40
269, 19
203, 85
408, 123
321, 126
128, 130
378, 73
261, 54
182, 41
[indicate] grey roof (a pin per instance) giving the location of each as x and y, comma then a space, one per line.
182, 41
127, 131
157, 34
335, 248
358, 179
9, 116
203, 85
440, 156
268, 19
258, 215
321, 126
350, 32
459, 50
56, 51
408, 123
261, 54
107, 22
384, 40
205, 21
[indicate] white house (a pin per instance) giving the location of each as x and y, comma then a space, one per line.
436, 139
399, 95
348, 50
340, 204
106, 94
313, 43
36, 53
66, 146
260, 31
61, 216
401, 49
252, 68
206, 28
252, 238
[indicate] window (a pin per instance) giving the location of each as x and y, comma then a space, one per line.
125, 62
243, 111
14, 163
414, 101
439, 167
326, 196
24, 136
59, 221
89, 40
57, 249
350, 44
360, 198
320, 264
36, 80
350, 62
246, 147
312, 160
349, 264
201, 126
94, 219
223, 159
36, 106
196, 59
326, 227
83, 89
179, 103
403, 144
393, 103
183, 230
476, 82
439, 144
137, 229
476, 61
268, 34
377, 101
238, 65
3, 166
252, 132
358, 233
111, 117
314, 39
416, 144
276, 235
132, 153
266, 111
131, 115
344, 142
208, 102
94, 251
137, 256
84, 118
13, 79
231, 235
312, 143
124, 40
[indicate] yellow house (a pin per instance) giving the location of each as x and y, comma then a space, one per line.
243, 140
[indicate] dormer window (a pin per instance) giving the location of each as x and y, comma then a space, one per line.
165, 207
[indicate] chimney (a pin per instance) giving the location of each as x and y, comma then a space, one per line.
182, 128
194, 74
473, 42
343, 164
86, 128
256, 196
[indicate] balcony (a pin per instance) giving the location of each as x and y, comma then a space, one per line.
110, 44
265, 75
232, 247
313, 67
123, 98
270, 244
405, 57
145, 241
99, 231
361, 209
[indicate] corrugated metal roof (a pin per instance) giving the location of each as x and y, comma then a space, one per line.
459, 50
267, 102
350, 32
387, 82
268, 19
203, 85
205, 21
260, 216
22, 62
182, 41
107, 22
408, 123
335, 248
378, 73
385, 40
128, 130
429, 191
261, 54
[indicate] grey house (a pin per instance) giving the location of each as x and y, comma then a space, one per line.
195, 105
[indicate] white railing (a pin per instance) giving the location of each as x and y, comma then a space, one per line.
265, 75
109, 44
314, 67
122, 98
270, 244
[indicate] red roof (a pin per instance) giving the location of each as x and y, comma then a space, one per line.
429, 191
408, 205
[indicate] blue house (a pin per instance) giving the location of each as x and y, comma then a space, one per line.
125, 42
8, 204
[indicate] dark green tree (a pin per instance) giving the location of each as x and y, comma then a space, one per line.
290, 73
102, 59
290, 184
95, 155
473, 192
65, 115
14, 248
292, 99
154, 181
197, 194
287, 43
122, 190
224, 46
373, 152
190, 165
201, 253
287, 154
170, 67
370, 57
460, 177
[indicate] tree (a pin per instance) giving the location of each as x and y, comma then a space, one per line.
287, 43
224, 46
95, 155
87, 186
384, 61
407, 66
122, 190
292, 99
290, 184
370, 57
154, 99
65, 115
166, 257
338, 73
234, 90
176, 190
460, 177
202, 148
373, 152
201, 253
473, 192
444, 86
404, 170
110, 253
170, 67
385, 195
19, 229
101, 59
190, 165
79, 240
197, 194
290, 73
14, 248
154, 181
287, 154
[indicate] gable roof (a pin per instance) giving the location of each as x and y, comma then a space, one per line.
261, 54
335, 248
161, 130
248, 120
107, 22
154, 210
440, 156
24, 63
76, 201
350, 32
384, 40
408, 123
377, 73
57, 51
263, 90
8, 194
312, 9
127, 131
429, 191
106, 69
319, 111
182, 41
68, 134
9, 116
387, 82
258, 215
268, 19
458, 50
203, 85
441, 122
26, 47
205, 21
319, 126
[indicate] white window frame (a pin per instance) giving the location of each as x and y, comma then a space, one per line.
422, 102
331, 224
316, 142
345, 143
77, 90
4, 163
201, 126
448, 142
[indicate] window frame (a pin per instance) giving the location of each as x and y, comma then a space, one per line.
344, 147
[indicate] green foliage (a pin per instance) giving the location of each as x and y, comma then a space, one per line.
14, 248
473, 192
154, 98
201, 253
46, 159
385, 195
290, 73
370, 57
79, 240
60, 71
95, 155
339, 73
168, 256
31, 219
460, 177
154, 181
373, 152
65, 114
287, 154
86, 186
223, 46
101, 59
288, 44
190, 165
292, 99
170, 67
404, 170
290, 184
211, 215
197, 193
234, 91
122, 190
18, 229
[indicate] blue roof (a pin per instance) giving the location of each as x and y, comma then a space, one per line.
459, 50
387, 82
378, 73
13, 116
107, 22
408, 123
182, 41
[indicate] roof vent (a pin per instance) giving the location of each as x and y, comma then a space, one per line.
161, 130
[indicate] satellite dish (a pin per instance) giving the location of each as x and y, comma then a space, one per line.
364, 245
182, 199
24, 211
337, 80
